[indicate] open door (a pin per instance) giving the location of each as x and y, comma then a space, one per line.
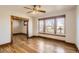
19, 25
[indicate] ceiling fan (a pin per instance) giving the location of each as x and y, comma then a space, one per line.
35, 9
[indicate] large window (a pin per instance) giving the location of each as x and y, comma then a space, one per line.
60, 26
49, 26
41, 26
52, 25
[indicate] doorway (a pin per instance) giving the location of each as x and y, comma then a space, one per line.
19, 26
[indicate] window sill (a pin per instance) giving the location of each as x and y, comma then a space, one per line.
53, 34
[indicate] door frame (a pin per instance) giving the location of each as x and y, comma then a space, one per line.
12, 17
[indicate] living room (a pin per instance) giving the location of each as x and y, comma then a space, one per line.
55, 23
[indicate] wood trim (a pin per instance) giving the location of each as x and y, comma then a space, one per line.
77, 48
65, 25
55, 25
59, 41
25, 22
52, 34
27, 27
44, 27
27, 30
10, 43
51, 17
53, 39
19, 34
11, 29
17, 18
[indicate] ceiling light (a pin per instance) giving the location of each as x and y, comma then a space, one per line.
34, 12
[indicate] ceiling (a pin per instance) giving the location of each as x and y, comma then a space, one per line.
47, 8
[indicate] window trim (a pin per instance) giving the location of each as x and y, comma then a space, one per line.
52, 34
55, 22
51, 17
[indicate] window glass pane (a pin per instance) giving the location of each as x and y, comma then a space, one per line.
49, 26
52, 26
41, 26
60, 26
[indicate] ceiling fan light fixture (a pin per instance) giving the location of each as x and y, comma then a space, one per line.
36, 9
34, 12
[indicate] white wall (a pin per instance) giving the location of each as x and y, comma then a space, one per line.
30, 28
35, 26
5, 34
23, 28
16, 26
5, 23
77, 41
70, 21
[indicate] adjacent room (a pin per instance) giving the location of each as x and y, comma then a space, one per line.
39, 28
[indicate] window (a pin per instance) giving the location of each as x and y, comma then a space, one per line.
60, 26
49, 26
52, 25
41, 26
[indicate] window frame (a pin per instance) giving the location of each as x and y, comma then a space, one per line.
55, 25
46, 26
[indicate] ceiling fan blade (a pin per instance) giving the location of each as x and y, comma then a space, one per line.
29, 12
42, 11
28, 8
34, 6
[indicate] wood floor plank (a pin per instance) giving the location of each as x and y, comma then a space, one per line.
34, 45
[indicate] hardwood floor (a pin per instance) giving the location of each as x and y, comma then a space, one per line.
36, 45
